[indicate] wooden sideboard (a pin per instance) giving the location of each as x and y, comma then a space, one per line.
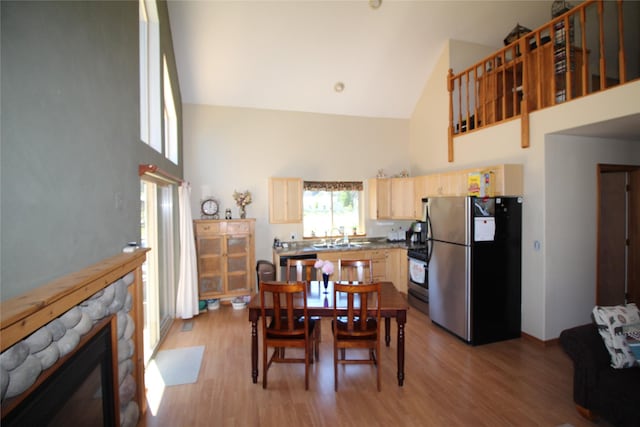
226, 257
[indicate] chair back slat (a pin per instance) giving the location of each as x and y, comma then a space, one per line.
354, 270
304, 270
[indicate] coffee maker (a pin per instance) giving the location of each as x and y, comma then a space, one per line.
417, 233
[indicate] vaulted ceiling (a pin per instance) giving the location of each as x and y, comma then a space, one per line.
289, 55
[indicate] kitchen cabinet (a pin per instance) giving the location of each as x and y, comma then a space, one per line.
396, 269
391, 198
402, 197
379, 198
507, 181
226, 257
285, 200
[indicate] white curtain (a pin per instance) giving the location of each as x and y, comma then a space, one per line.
187, 299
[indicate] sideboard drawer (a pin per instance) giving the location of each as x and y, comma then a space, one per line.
237, 227
207, 227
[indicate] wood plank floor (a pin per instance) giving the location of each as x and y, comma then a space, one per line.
447, 383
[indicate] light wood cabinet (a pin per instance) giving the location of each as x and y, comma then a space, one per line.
402, 198
226, 257
396, 268
379, 198
507, 181
285, 200
391, 198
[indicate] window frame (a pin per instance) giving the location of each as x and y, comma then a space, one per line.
333, 187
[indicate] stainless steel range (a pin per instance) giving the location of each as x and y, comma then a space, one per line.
418, 275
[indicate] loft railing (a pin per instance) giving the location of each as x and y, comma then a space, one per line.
583, 51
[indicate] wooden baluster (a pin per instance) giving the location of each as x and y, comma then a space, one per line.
475, 98
503, 78
569, 58
585, 58
450, 141
552, 86
524, 103
603, 68
459, 82
513, 84
539, 57
622, 66
468, 126
485, 94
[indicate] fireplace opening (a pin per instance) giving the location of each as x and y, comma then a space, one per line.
80, 392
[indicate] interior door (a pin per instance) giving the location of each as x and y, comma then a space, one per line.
618, 235
612, 248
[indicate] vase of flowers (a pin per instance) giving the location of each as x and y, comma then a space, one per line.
326, 267
242, 200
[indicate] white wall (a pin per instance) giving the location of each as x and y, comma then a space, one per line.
229, 149
428, 148
543, 268
571, 212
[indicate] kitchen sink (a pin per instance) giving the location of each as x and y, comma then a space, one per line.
329, 245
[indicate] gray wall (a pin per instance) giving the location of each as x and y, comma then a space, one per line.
70, 137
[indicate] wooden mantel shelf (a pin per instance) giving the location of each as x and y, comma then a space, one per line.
24, 314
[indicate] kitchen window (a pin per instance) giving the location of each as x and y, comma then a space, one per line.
331, 208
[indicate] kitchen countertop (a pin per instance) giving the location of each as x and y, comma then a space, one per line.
355, 244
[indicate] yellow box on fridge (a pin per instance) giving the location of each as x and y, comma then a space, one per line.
480, 184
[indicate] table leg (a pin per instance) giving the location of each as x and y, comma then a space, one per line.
401, 319
254, 351
387, 331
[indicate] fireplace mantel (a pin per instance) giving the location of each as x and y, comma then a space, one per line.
25, 314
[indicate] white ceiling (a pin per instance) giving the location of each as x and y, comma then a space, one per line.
288, 55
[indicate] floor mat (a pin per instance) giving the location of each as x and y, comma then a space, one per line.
180, 365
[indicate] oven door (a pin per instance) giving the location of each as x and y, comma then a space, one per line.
418, 279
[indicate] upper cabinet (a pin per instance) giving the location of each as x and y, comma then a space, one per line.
391, 198
506, 180
401, 198
285, 200
379, 198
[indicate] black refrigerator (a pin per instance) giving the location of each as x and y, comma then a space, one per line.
475, 266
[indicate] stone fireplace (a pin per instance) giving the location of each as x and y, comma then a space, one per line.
62, 350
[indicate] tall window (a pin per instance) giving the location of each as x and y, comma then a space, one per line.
170, 117
331, 209
150, 116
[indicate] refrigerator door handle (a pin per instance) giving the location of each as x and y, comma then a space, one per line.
429, 240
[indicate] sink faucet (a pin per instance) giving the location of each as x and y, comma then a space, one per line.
344, 239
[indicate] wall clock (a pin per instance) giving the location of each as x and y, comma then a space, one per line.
209, 208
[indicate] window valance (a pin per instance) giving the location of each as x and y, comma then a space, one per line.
332, 186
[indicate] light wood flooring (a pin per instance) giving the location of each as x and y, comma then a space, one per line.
447, 382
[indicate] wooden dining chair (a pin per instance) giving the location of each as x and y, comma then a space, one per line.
305, 271
354, 270
284, 329
359, 328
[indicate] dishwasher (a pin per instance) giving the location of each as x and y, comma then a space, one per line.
285, 258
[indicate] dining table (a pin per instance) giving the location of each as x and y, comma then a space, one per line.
320, 302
